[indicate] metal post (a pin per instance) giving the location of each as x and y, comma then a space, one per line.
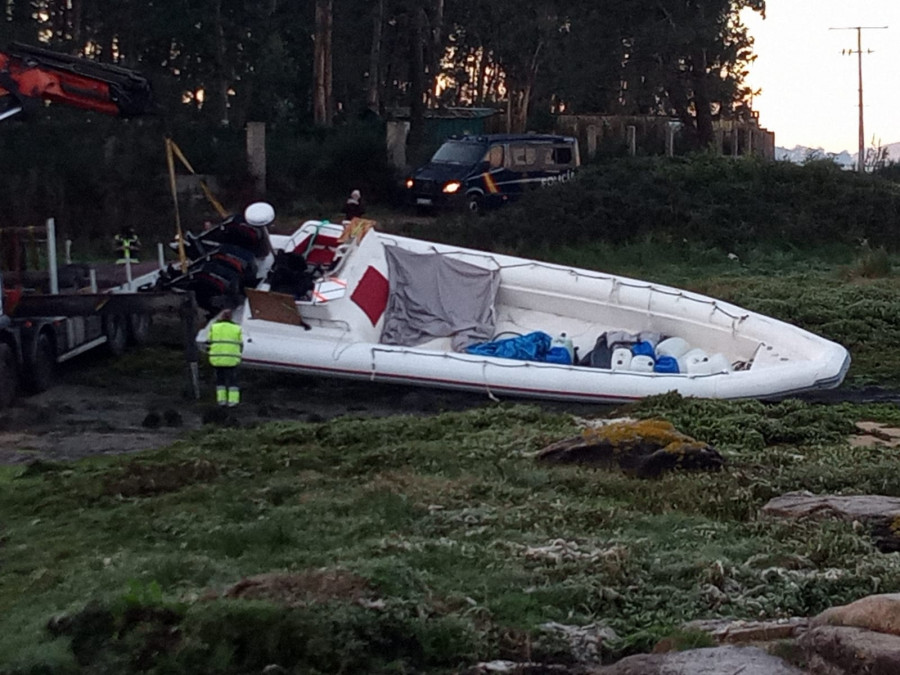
161, 252
631, 134
68, 251
128, 272
10, 112
188, 312
861, 158
93, 276
51, 256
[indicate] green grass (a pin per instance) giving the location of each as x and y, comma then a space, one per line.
449, 526
445, 541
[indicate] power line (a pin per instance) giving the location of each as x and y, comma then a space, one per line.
860, 160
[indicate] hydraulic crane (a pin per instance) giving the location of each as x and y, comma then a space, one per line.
28, 72
38, 331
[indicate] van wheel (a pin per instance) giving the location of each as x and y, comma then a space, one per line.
476, 204
8, 375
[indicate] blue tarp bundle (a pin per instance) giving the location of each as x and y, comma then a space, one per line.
534, 346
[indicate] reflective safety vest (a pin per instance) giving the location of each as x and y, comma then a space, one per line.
225, 344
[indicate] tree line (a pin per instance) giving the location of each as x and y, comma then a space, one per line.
320, 62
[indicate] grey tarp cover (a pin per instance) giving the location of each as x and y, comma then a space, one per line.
433, 295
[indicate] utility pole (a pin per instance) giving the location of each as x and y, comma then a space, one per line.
861, 157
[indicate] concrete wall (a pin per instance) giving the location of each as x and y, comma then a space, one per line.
660, 135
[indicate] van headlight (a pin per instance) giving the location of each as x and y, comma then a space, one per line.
409, 183
452, 187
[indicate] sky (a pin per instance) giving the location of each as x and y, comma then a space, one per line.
809, 90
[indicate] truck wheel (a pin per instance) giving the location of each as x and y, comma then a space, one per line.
8, 375
41, 366
476, 204
116, 334
138, 329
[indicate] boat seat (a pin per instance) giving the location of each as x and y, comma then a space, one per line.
322, 248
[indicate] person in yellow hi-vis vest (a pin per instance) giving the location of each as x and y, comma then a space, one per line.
226, 343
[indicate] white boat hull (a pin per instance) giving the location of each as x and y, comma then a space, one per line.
343, 339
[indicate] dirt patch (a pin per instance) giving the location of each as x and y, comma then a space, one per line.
87, 415
302, 588
139, 480
71, 421
874, 433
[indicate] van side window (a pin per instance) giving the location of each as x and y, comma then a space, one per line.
495, 156
523, 157
559, 156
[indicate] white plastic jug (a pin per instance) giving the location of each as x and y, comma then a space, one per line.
673, 346
642, 363
566, 342
694, 362
621, 358
719, 363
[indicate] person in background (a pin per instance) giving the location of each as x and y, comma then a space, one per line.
353, 207
226, 344
127, 243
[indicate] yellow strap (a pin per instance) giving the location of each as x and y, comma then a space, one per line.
206, 191
182, 256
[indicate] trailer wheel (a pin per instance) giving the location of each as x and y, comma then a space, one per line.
138, 329
116, 334
8, 375
41, 364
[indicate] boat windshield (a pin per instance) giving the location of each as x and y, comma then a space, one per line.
458, 152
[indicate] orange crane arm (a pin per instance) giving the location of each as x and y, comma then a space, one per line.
32, 72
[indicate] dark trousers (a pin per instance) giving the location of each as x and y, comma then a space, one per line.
227, 377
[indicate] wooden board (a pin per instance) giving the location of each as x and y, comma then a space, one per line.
276, 307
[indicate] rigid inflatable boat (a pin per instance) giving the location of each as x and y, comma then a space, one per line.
350, 301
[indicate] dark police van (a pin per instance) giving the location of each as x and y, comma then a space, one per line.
482, 172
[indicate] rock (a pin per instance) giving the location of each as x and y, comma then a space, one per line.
880, 513
274, 669
876, 612
585, 642
645, 448
727, 660
152, 420
514, 668
846, 650
172, 418
745, 632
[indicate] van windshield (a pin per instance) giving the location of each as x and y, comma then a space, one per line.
456, 152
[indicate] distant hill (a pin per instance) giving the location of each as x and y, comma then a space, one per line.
800, 153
